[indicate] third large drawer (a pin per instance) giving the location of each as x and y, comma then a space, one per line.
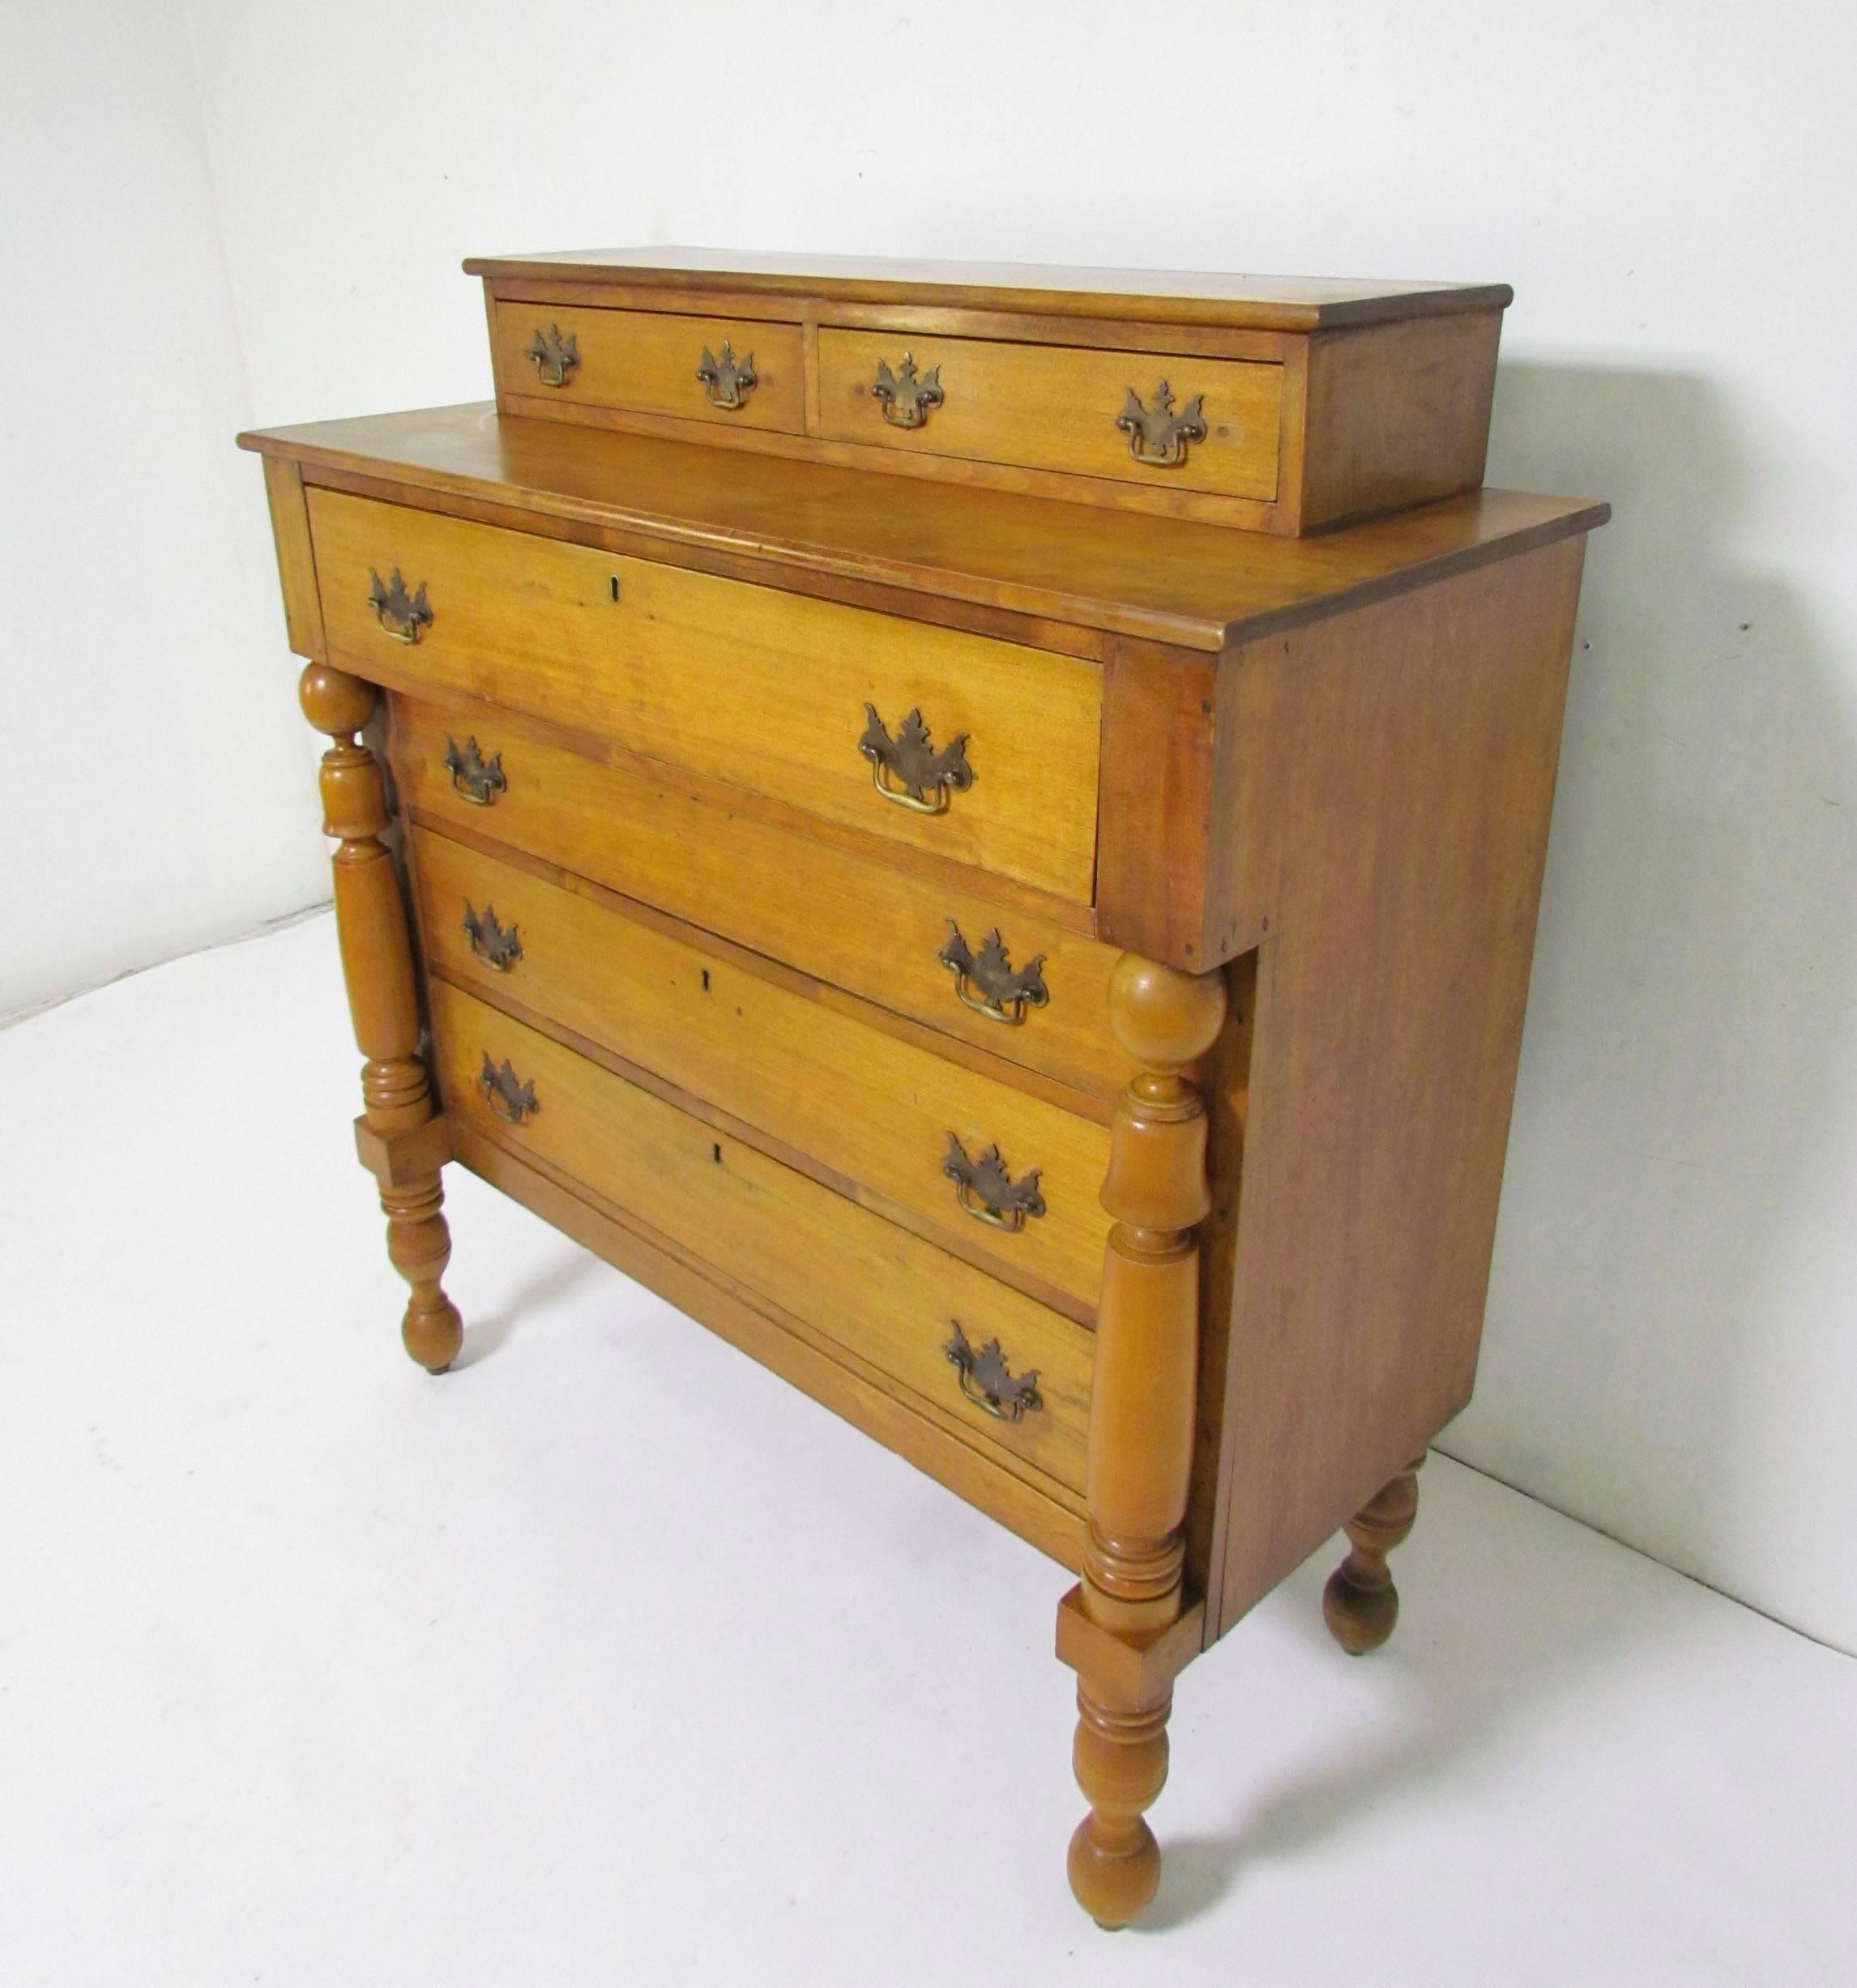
947, 1150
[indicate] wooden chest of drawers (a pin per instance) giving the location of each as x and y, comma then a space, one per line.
913, 846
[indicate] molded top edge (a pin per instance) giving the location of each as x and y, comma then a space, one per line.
1171, 297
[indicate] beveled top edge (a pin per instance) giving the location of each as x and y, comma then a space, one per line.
1160, 295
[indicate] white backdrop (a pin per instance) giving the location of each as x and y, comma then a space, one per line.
1672, 1349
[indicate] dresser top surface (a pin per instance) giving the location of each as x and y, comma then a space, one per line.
1195, 586
1173, 296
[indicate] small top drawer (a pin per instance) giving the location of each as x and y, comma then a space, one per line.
746, 372
978, 750
1154, 418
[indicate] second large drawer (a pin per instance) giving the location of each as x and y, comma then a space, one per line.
999, 1175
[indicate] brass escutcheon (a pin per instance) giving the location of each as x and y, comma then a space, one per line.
510, 1099
474, 778
905, 399
1158, 437
984, 1191
498, 949
400, 614
987, 1381
908, 769
555, 357
724, 383
985, 982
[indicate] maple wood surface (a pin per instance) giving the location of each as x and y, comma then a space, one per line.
867, 1285
1392, 778
1200, 586
876, 1111
649, 360
852, 920
1055, 407
766, 690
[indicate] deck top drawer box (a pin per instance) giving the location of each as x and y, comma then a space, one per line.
1033, 947
1270, 403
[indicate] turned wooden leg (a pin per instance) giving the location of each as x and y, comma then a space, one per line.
1122, 1628
1361, 1603
403, 1143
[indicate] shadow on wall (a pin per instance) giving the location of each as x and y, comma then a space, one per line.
1682, 1071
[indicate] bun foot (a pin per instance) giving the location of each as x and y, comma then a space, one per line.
1113, 1882
1359, 1619
1360, 1604
433, 1336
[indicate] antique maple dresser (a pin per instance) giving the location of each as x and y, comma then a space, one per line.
978, 829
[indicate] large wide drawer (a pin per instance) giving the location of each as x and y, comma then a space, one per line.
893, 1299
1089, 413
1036, 992
742, 372
981, 751
882, 1113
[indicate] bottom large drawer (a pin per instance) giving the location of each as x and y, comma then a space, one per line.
967, 1345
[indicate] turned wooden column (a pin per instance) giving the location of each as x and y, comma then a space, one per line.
1115, 1628
402, 1139
1361, 1603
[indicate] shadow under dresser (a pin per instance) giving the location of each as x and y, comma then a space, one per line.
979, 830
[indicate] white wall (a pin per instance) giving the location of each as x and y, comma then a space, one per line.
155, 784
1672, 1342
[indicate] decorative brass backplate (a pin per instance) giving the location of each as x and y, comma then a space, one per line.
508, 1098
726, 384
474, 778
1158, 438
400, 614
908, 769
498, 949
905, 401
988, 1382
985, 981
985, 1191
555, 357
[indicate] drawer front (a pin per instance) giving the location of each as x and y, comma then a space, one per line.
1056, 408
743, 371
883, 1114
1040, 996
806, 700
873, 1288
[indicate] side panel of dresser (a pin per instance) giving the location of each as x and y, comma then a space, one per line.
1383, 783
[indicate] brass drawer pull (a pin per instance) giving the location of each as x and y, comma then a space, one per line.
509, 1098
498, 949
555, 357
984, 1191
724, 383
985, 981
1158, 438
905, 401
400, 614
908, 769
474, 778
988, 1382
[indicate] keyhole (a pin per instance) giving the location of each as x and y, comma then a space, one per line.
614, 584
715, 1154
706, 980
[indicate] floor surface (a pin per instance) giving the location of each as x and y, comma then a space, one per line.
609, 1659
